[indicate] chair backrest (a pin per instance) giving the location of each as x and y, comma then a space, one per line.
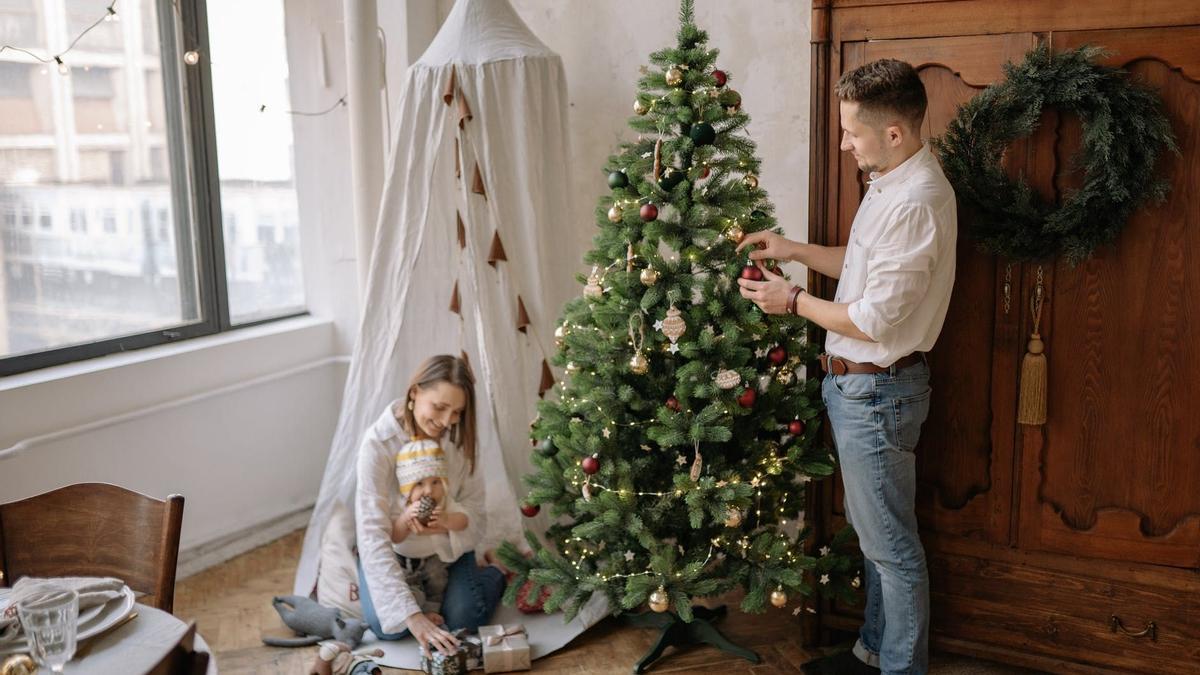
183, 659
94, 529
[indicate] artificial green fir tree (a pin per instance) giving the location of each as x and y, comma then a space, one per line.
679, 445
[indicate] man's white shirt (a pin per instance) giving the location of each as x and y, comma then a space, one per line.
899, 267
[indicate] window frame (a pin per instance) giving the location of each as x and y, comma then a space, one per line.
196, 200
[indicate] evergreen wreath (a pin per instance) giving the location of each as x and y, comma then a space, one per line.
1124, 132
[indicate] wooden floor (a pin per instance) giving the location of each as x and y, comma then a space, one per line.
231, 604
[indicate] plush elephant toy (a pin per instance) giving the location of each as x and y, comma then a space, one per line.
314, 622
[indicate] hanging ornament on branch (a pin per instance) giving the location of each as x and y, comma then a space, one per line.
673, 326
638, 365
728, 379
593, 290
697, 465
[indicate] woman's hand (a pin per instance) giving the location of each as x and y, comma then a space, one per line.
768, 245
428, 634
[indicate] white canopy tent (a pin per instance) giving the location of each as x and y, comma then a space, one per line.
474, 251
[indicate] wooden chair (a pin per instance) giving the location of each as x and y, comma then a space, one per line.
94, 529
183, 659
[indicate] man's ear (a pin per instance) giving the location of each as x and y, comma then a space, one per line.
894, 135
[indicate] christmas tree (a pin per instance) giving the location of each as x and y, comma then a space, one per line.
677, 449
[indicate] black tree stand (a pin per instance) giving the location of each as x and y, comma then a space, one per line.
676, 632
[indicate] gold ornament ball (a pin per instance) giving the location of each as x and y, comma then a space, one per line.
751, 181
649, 276
785, 376
640, 108
674, 76
615, 214
19, 664
659, 601
735, 234
855, 582
778, 597
733, 518
572, 369
560, 335
638, 364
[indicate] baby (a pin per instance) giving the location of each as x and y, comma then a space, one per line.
427, 510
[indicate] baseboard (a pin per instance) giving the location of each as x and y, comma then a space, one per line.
203, 556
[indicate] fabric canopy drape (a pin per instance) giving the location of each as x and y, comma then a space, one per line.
473, 253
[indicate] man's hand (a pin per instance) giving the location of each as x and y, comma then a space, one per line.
768, 245
771, 294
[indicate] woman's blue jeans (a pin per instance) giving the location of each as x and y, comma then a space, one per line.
472, 594
876, 421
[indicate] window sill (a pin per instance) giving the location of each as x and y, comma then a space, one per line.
43, 401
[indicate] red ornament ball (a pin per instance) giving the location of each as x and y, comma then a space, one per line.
749, 395
673, 404
530, 510
796, 428
720, 77
777, 355
752, 273
705, 172
529, 604
649, 212
590, 465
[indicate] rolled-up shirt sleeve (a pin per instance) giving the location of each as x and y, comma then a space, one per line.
899, 268
390, 594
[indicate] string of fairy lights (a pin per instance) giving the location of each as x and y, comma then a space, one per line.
190, 57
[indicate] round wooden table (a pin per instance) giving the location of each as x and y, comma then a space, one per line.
135, 647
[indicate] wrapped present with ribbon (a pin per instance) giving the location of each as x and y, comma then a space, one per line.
440, 663
505, 648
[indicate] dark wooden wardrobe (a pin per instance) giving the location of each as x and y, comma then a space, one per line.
1075, 546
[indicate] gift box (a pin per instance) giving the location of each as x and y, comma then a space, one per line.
439, 663
470, 642
505, 648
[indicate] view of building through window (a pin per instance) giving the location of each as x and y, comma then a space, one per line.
90, 240
255, 158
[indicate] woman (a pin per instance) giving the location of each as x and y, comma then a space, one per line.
440, 399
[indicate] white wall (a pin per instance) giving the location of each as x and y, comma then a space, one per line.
764, 46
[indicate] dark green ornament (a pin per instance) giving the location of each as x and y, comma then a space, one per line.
703, 134
618, 179
546, 448
670, 178
758, 215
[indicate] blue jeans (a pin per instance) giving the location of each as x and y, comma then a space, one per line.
876, 421
472, 594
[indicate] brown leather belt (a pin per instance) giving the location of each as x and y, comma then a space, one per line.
839, 366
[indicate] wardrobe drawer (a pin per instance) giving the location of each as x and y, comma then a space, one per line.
1124, 627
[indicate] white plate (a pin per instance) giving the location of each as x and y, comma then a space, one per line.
92, 621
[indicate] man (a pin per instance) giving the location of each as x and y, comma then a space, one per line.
895, 278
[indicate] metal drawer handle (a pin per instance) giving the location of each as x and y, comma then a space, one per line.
1151, 629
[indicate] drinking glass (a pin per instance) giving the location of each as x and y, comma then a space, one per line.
50, 619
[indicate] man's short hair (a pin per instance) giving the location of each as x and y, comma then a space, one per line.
884, 90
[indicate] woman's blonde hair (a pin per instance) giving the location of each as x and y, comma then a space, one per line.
456, 371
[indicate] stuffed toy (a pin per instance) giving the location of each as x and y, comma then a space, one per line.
313, 623
337, 658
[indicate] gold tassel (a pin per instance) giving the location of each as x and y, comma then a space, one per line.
1031, 406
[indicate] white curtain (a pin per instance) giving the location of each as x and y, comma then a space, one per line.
486, 94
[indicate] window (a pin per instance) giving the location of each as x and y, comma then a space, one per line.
156, 263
